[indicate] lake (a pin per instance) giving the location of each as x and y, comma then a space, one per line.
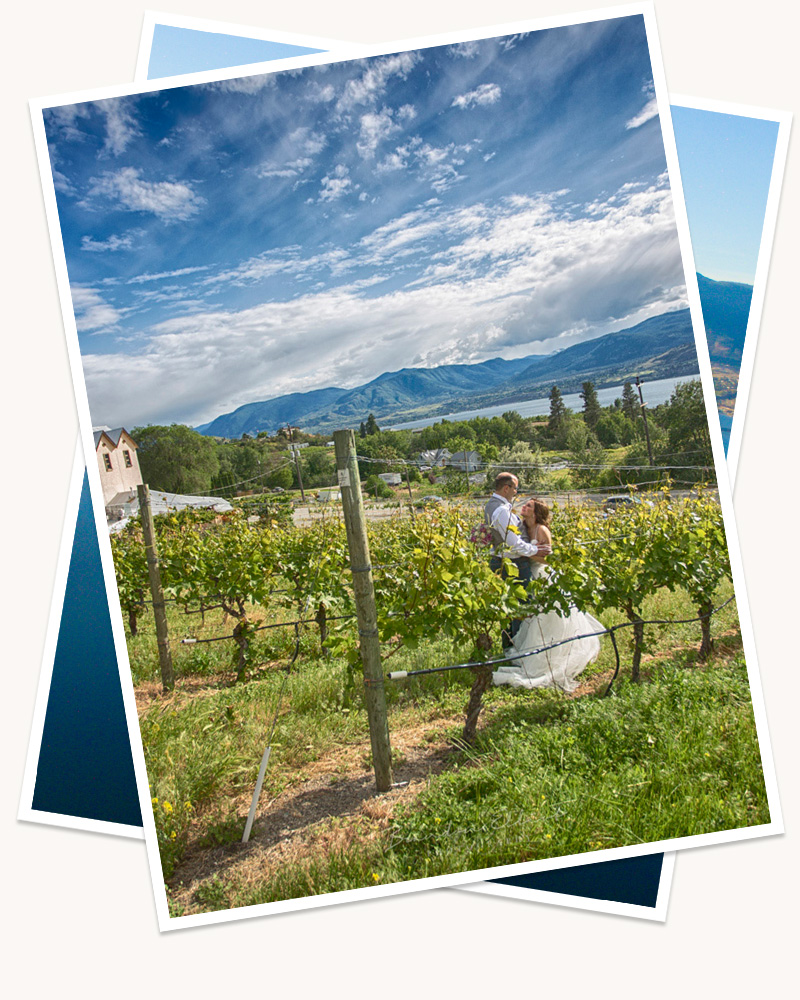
654, 393
725, 422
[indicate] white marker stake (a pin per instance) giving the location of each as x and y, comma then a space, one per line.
256, 795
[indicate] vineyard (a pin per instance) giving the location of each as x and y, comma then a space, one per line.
265, 644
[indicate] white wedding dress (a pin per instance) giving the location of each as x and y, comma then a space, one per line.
557, 667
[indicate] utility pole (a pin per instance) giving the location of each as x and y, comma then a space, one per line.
156, 591
294, 451
369, 645
644, 417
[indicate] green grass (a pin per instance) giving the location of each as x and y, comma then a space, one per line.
553, 777
673, 756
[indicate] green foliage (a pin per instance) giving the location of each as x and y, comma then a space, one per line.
524, 461
376, 487
130, 563
630, 402
685, 419
176, 459
283, 476
432, 580
557, 410
591, 405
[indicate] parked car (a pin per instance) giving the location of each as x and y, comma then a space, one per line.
612, 503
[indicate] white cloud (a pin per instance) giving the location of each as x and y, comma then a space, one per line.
465, 50
121, 127
368, 88
650, 110
486, 93
179, 273
515, 277
63, 184
170, 201
92, 313
375, 128
295, 154
398, 160
287, 261
335, 184
244, 84
111, 244
65, 121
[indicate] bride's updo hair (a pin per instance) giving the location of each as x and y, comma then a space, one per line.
542, 512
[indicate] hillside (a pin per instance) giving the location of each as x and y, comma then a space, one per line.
726, 309
660, 347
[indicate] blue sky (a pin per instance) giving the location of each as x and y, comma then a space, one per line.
235, 241
187, 50
726, 166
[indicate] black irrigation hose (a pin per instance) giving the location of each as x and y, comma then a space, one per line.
403, 674
262, 628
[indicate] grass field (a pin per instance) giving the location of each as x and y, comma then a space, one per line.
550, 775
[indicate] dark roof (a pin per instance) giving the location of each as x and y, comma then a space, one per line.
113, 435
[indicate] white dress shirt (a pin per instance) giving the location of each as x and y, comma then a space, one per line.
507, 523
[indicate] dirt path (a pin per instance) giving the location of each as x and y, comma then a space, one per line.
326, 811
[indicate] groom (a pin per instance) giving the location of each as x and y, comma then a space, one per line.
509, 538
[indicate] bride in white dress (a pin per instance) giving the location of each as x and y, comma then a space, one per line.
557, 667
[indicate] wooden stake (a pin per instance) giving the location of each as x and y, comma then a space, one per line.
410, 494
369, 645
156, 591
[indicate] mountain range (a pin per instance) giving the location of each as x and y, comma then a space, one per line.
660, 347
726, 310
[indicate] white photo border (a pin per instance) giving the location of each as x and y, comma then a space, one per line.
783, 119
774, 826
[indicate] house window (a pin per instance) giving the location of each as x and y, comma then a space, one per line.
107, 461
128, 462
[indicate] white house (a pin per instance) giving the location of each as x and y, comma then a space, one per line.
391, 478
433, 457
117, 461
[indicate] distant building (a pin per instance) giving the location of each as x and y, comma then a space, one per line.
433, 457
117, 461
466, 461
126, 504
328, 496
391, 478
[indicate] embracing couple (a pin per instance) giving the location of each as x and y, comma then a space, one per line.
526, 540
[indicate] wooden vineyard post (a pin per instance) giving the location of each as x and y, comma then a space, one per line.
159, 610
410, 494
369, 645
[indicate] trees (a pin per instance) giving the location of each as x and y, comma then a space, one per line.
525, 462
375, 486
176, 459
557, 410
591, 405
630, 402
371, 426
684, 417
282, 476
